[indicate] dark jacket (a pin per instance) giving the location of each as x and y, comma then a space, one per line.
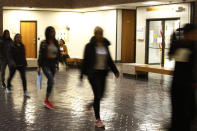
4, 46
43, 60
185, 72
16, 55
89, 60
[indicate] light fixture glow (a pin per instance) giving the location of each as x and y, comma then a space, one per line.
152, 3
26, 8
79, 10
106, 8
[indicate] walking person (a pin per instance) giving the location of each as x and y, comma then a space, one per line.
5, 42
63, 51
17, 61
184, 80
97, 60
49, 56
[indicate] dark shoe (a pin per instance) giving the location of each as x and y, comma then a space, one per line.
8, 90
3, 85
26, 94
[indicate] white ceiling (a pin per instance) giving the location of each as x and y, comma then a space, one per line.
120, 6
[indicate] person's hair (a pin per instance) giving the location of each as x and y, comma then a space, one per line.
63, 41
48, 31
187, 28
4, 34
98, 29
16, 36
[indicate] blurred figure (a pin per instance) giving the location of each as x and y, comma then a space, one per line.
5, 42
17, 61
96, 62
63, 51
49, 56
184, 51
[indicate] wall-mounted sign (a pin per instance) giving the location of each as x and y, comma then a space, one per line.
140, 32
62, 33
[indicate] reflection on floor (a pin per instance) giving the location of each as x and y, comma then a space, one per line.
129, 105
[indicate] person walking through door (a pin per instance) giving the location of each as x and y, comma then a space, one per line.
49, 56
184, 51
5, 42
96, 62
17, 61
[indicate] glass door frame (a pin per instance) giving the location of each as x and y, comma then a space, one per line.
163, 37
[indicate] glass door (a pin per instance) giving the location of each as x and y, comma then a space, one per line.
155, 42
170, 27
159, 38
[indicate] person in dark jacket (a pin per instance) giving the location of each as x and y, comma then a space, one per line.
184, 51
49, 56
96, 63
17, 61
5, 42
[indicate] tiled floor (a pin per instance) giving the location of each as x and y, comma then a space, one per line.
129, 105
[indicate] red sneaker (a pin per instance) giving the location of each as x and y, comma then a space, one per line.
49, 104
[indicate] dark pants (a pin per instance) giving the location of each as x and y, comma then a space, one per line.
3, 69
98, 82
22, 71
49, 73
183, 106
64, 58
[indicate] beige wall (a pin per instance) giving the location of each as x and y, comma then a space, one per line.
81, 26
142, 15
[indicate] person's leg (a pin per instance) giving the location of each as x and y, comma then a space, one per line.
11, 75
97, 82
93, 81
3, 70
23, 78
50, 76
102, 83
49, 73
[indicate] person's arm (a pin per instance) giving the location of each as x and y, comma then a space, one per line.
113, 66
24, 54
195, 65
10, 58
1, 48
84, 62
41, 56
58, 56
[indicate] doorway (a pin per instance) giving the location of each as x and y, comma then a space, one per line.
128, 36
28, 31
159, 34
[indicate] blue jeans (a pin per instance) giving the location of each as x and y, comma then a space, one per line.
49, 73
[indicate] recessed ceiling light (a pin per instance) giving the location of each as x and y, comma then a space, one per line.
79, 10
26, 8
106, 8
152, 3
